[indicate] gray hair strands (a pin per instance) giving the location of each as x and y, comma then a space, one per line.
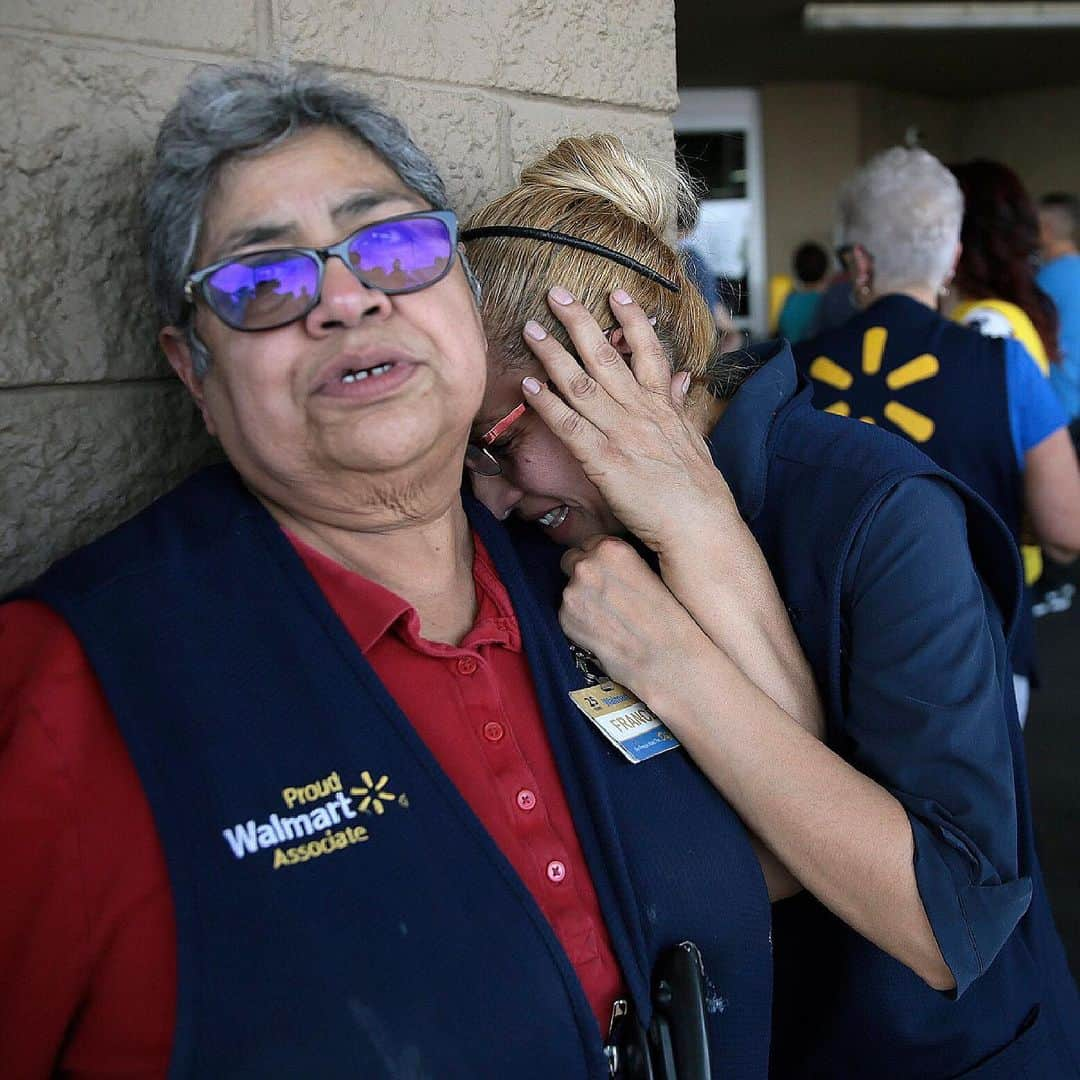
905, 208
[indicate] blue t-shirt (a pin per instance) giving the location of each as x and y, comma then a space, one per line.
1061, 279
1034, 410
798, 315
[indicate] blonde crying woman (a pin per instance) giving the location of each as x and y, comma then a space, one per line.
732, 556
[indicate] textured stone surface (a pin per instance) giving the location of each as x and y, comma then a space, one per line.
74, 139
79, 461
536, 125
197, 24
465, 131
619, 52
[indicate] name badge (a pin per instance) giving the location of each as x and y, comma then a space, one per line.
627, 723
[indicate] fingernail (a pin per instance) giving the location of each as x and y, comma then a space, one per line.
621, 296
534, 330
561, 296
652, 320
530, 385
686, 382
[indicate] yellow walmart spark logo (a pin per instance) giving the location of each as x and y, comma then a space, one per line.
925, 366
373, 795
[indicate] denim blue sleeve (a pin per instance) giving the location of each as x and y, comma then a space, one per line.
1034, 409
926, 717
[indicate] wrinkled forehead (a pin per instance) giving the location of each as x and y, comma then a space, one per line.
321, 173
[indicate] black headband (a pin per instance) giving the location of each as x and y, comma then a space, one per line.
571, 241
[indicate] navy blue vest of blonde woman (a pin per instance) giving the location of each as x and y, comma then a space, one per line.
416, 951
942, 385
826, 499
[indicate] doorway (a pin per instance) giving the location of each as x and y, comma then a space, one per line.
718, 139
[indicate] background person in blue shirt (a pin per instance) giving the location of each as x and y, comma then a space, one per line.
799, 313
923, 946
703, 278
1059, 217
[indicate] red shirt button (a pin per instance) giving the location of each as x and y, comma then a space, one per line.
467, 665
556, 871
526, 800
493, 731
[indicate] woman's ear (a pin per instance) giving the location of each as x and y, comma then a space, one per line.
956, 259
680, 387
863, 266
174, 344
619, 342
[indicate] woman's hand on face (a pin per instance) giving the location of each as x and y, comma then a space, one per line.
625, 424
617, 608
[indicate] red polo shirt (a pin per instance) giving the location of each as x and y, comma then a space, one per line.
87, 935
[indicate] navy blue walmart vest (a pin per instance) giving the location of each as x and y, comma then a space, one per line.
939, 384
843, 1008
317, 936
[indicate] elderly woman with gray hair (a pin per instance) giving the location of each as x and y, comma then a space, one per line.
979, 406
291, 779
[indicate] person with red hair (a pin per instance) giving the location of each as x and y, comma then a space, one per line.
994, 284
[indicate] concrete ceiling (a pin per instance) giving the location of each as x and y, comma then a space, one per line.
728, 44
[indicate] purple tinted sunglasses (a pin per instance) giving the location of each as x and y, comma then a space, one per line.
268, 289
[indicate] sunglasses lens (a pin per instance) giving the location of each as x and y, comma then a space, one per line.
263, 290
479, 461
402, 256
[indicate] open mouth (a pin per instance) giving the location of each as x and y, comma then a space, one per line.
554, 517
363, 378
354, 375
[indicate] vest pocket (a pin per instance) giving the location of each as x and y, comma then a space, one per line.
1028, 1057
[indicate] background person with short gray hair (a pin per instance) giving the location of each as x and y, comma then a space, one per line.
977, 406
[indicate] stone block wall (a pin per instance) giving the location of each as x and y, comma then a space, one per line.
92, 424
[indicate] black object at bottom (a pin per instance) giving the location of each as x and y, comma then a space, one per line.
676, 1044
